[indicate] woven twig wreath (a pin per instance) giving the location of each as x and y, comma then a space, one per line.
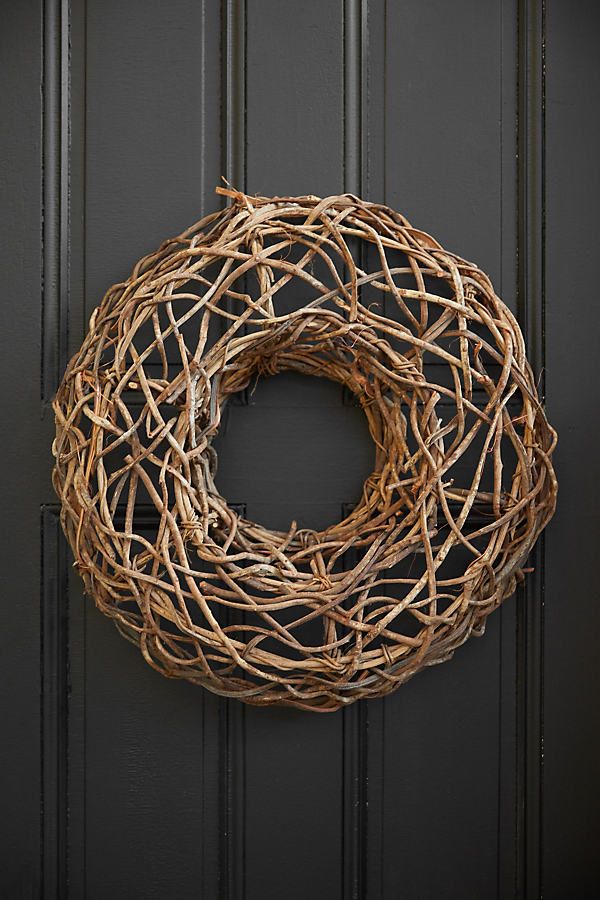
462, 482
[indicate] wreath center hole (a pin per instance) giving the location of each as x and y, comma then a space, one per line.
297, 450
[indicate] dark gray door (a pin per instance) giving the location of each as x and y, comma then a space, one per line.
477, 119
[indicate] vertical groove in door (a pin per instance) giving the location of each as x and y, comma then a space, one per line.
234, 93
72, 328
354, 21
367, 718
54, 609
203, 191
355, 717
54, 667
530, 305
232, 712
507, 829
355, 764
214, 823
55, 193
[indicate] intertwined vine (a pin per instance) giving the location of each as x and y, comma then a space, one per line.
462, 481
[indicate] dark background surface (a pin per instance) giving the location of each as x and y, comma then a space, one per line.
478, 120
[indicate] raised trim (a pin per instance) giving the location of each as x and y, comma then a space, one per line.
355, 718
55, 193
54, 669
233, 138
531, 312
232, 717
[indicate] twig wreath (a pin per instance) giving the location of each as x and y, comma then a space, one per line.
462, 483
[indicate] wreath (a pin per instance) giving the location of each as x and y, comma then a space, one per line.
462, 482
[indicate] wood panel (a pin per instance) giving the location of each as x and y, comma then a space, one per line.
294, 144
153, 82
571, 781
443, 748
23, 460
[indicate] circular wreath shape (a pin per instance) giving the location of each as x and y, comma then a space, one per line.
462, 482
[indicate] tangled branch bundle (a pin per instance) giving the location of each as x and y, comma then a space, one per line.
462, 482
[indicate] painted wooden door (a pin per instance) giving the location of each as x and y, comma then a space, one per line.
476, 119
